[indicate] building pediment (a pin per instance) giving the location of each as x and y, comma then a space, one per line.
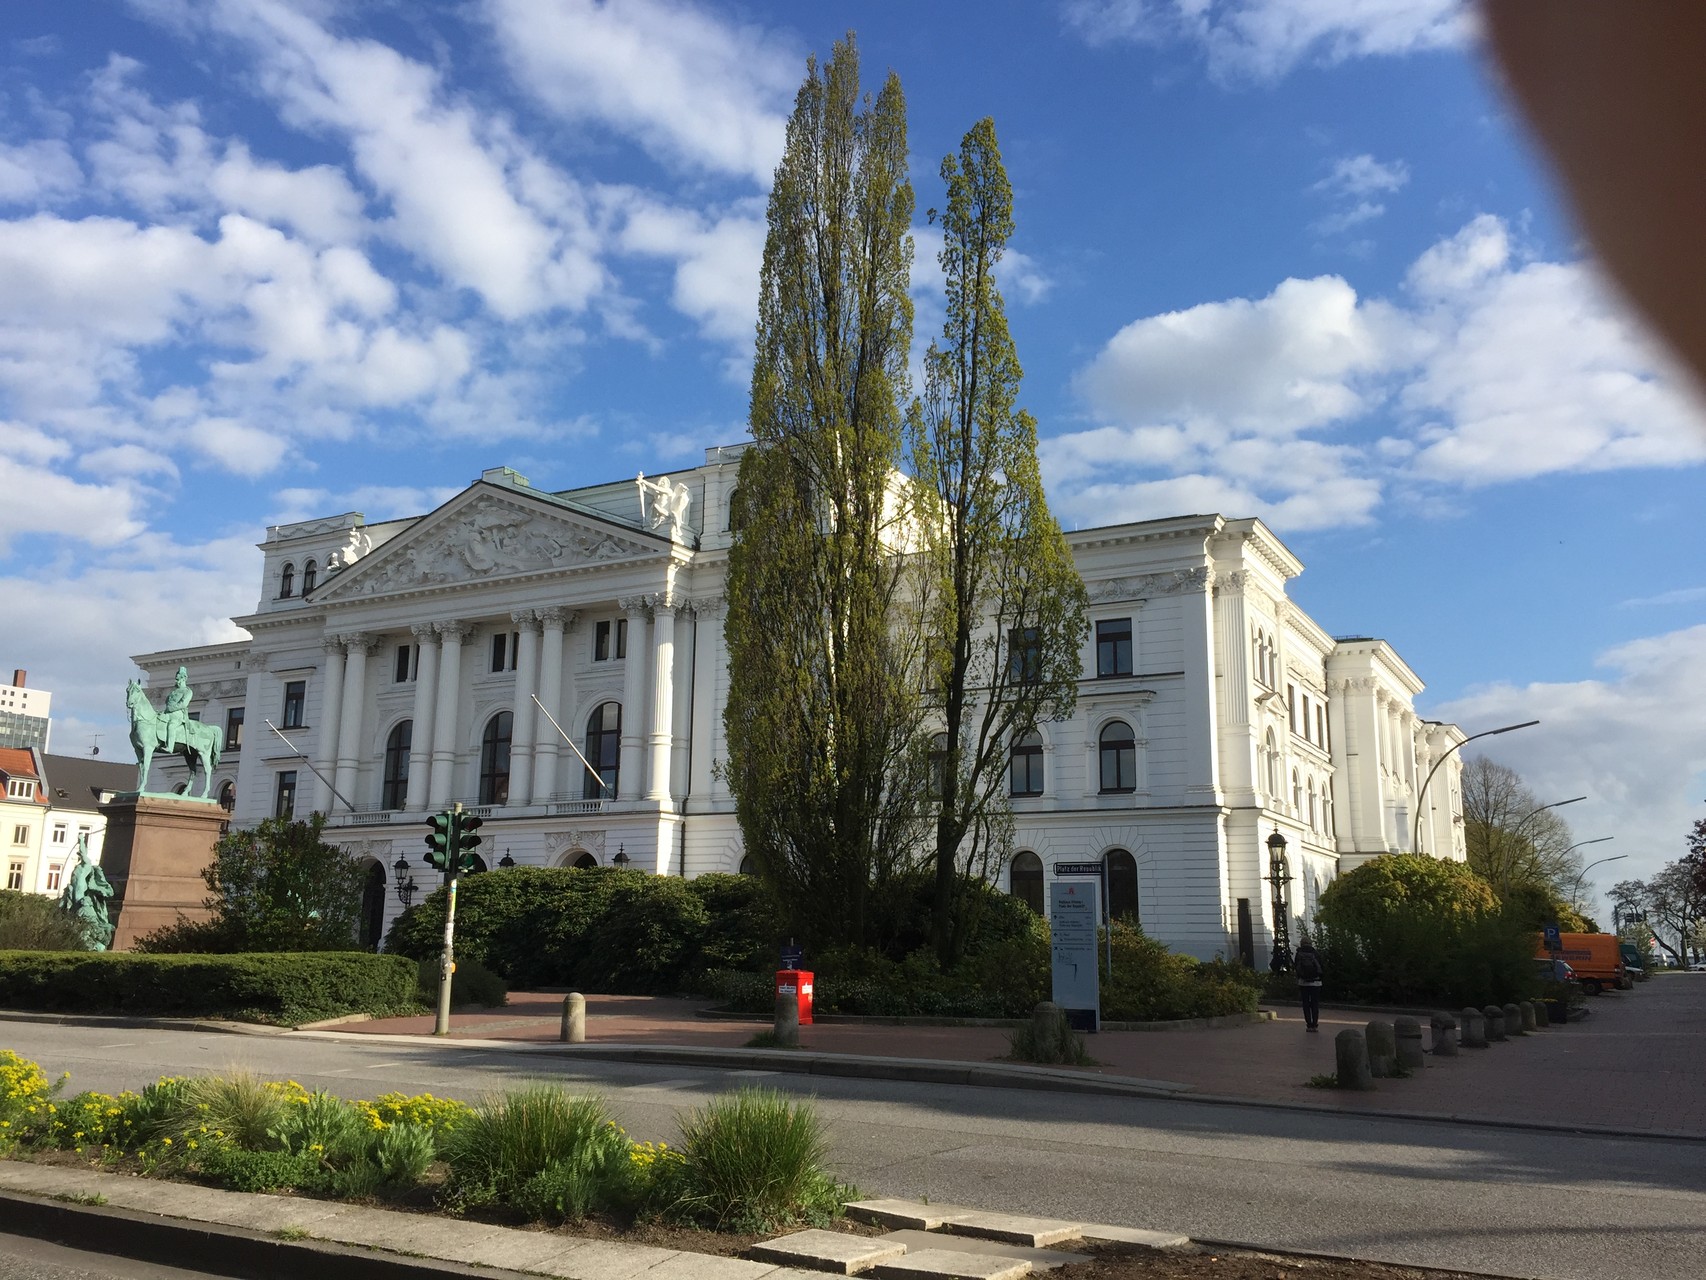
483, 535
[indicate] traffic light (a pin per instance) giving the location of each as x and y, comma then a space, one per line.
465, 839
441, 842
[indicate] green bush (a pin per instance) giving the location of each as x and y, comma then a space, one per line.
285, 989
743, 923
260, 1171
754, 1162
240, 1107
541, 1150
30, 922
402, 1153
1409, 929
1149, 983
472, 983
1056, 1043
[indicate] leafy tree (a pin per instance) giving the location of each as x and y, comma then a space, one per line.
274, 887
1004, 605
823, 672
1676, 905
1511, 840
30, 922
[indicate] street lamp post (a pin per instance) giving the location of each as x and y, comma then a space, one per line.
1575, 893
1522, 822
405, 882
1416, 830
1279, 877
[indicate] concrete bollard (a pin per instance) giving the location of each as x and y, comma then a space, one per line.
1408, 1033
1382, 1050
573, 1030
1525, 1011
1472, 1034
788, 1021
1048, 1024
1350, 1052
1542, 1015
1513, 1021
1494, 1017
1445, 1035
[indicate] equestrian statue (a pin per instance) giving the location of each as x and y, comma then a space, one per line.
172, 732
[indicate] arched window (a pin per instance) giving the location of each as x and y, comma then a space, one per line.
1273, 769
394, 792
1122, 886
1025, 774
287, 581
585, 862
1025, 880
310, 575
603, 752
1312, 804
938, 764
1119, 758
494, 759
737, 516
228, 796
1296, 793
747, 868
370, 927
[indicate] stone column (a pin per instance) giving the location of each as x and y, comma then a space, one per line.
681, 721
444, 714
634, 723
546, 741
658, 743
707, 708
326, 732
357, 645
420, 733
523, 716
1232, 639
1202, 769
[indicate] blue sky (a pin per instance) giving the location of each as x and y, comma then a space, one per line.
1289, 258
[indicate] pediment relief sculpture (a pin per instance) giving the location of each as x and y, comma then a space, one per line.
485, 539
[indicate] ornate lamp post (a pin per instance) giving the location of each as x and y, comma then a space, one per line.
621, 859
405, 882
1279, 876
506, 862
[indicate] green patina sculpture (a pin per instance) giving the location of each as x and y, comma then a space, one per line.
174, 732
87, 893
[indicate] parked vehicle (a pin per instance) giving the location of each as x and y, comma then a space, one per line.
1554, 970
1632, 961
1594, 956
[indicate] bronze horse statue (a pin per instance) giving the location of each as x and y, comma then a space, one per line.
201, 744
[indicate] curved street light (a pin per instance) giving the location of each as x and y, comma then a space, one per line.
1416, 829
1576, 892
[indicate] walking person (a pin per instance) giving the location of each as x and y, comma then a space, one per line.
1310, 971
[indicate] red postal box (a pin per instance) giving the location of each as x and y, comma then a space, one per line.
797, 983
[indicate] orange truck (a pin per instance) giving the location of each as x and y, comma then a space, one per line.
1595, 957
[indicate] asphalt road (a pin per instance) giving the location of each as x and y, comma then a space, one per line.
1446, 1195
25, 1258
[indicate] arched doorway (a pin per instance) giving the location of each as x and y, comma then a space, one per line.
372, 927
1025, 880
1122, 886
585, 862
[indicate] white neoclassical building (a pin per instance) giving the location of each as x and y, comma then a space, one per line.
555, 662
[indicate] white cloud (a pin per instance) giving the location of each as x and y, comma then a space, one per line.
374, 501
1633, 741
35, 173
1682, 595
40, 500
1264, 39
687, 84
1363, 176
717, 262
239, 448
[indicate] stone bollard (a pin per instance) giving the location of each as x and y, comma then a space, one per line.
1472, 1034
1409, 1035
787, 1021
1495, 1017
1513, 1021
1530, 1020
573, 1030
1048, 1025
1382, 1050
1542, 1015
1350, 1051
1445, 1035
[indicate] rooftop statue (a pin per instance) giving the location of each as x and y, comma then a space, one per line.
173, 732
87, 893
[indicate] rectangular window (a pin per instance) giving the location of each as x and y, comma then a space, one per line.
196, 716
234, 729
54, 872
407, 663
20, 789
1024, 655
15, 875
603, 634
1113, 647
295, 696
1320, 724
621, 637
20, 834
1291, 705
284, 799
601, 642
59, 834
1306, 736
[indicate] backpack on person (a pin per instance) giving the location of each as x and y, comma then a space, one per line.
1308, 966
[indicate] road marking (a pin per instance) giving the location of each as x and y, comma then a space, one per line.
122, 1044
378, 1066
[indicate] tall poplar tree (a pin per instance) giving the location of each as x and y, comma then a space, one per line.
823, 681
1005, 607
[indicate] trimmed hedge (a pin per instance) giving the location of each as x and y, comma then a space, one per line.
281, 988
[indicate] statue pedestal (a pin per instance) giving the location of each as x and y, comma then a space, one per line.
156, 847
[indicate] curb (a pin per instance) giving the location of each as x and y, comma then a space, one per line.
201, 1246
1213, 1023
144, 1023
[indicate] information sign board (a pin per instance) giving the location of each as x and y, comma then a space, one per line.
1073, 914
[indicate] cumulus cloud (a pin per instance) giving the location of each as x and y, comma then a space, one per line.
1306, 405
1354, 184
41, 500
691, 87
1264, 39
38, 172
1631, 740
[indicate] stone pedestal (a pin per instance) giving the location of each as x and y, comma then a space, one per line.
156, 847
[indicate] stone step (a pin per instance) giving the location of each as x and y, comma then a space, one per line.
837, 1252
902, 1213
1010, 1228
1040, 1259
947, 1264
1103, 1233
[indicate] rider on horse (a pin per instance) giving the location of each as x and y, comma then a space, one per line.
177, 718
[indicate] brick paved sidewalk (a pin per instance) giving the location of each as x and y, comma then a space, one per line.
1633, 1064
